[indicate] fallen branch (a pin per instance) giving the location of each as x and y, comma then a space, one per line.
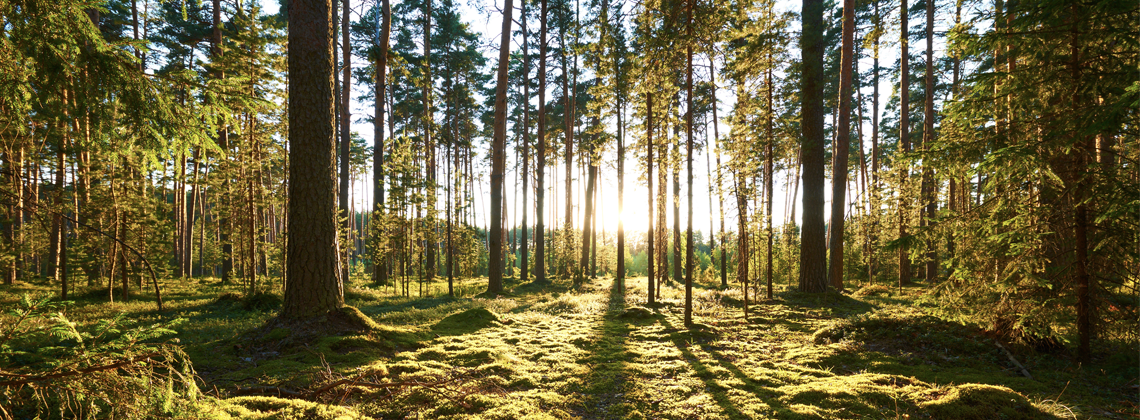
268, 390
1015, 362
27, 379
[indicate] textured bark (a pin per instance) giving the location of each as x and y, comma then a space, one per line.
842, 144
651, 232
904, 139
568, 130
312, 284
676, 239
525, 254
380, 268
621, 186
742, 241
872, 267
929, 192
719, 180
587, 225
540, 157
769, 166
345, 134
498, 156
689, 166
813, 262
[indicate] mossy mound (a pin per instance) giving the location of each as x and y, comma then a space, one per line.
272, 408
465, 322
637, 312
977, 401
872, 290
897, 330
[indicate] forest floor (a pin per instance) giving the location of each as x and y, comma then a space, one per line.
600, 352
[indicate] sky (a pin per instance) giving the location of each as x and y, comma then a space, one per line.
487, 21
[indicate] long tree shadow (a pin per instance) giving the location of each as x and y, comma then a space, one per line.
716, 390
608, 381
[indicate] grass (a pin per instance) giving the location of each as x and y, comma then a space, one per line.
601, 352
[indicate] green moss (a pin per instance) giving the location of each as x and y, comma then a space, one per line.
271, 408
975, 401
278, 334
465, 322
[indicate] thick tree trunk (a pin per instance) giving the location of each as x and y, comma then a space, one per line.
312, 284
842, 144
498, 156
813, 262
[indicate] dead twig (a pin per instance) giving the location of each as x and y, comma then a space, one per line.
1024, 371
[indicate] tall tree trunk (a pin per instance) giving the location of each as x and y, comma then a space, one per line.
676, 168
587, 226
689, 165
876, 202
769, 166
651, 232
1083, 151
568, 128
929, 191
719, 179
524, 273
842, 144
312, 284
621, 181
345, 133
540, 157
429, 149
813, 262
904, 140
498, 156
380, 267
742, 240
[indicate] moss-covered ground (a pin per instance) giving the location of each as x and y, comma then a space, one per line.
601, 352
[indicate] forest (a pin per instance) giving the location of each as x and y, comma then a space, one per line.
357, 209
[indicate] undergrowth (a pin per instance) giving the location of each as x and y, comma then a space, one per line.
599, 352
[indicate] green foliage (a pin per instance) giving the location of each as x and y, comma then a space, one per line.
52, 367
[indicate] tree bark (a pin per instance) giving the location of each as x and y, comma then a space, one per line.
498, 156
904, 140
380, 268
525, 251
345, 134
540, 156
928, 187
312, 283
651, 232
842, 144
689, 166
813, 262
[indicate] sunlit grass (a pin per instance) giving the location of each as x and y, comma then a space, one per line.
552, 351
